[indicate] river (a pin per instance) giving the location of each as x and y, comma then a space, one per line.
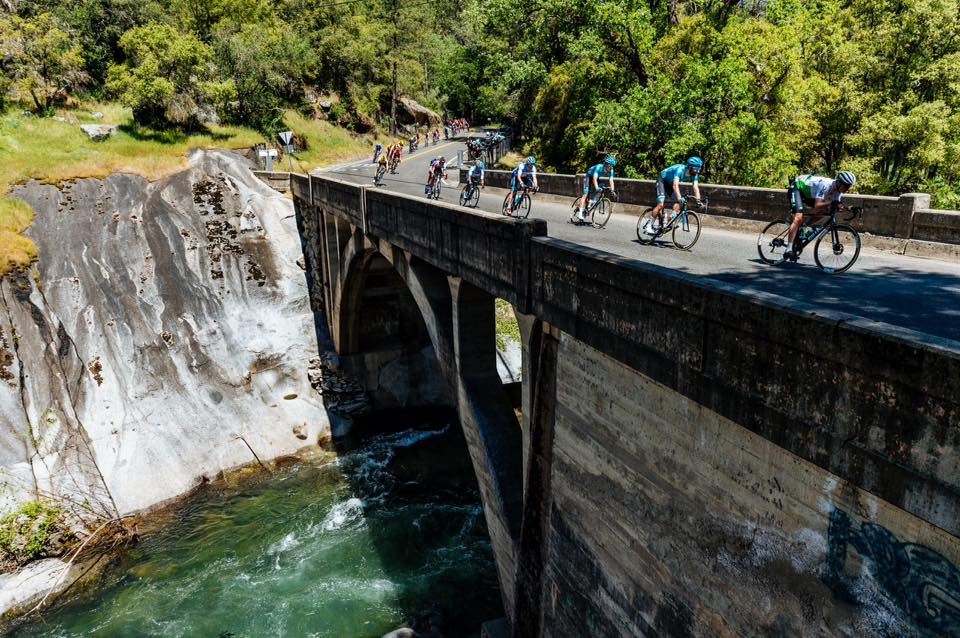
390, 532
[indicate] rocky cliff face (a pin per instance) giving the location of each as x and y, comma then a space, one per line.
164, 336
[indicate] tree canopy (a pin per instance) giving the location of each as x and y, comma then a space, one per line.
762, 89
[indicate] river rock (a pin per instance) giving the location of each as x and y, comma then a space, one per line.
98, 132
23, 589
164, 337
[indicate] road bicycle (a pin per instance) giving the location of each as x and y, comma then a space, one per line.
378, 178
836, 246
598, 211
683, 225
394, 163
433, 191
470, 195
521, 203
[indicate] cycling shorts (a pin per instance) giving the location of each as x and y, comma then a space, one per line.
526, 179
587, 184
662, 190
797, 200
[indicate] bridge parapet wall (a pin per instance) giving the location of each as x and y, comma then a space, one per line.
905, 217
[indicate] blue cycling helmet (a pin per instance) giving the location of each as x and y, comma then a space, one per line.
610, 161
479, 165
695, 162
846, 177
532, 160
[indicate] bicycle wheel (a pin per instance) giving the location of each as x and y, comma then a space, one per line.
474, 198
506, 204
643, 237
601, 212
772, 242
839, 251
465, 195
523, 207
686, 230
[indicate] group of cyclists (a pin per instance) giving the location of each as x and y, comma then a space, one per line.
820, 193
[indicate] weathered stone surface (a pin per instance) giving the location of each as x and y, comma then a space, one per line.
98, 132
165, 337
23, 589
410, 111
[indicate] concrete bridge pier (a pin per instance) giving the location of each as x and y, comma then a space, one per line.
489, 424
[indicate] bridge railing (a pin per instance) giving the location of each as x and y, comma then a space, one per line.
490, 251
905, 217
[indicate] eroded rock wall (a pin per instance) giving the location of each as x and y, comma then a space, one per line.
164, 336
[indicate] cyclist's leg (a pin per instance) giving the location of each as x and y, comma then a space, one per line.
586, 195
796, 206
513, 193
655, 213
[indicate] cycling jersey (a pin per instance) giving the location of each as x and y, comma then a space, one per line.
678, 173
437, 166
525, 168
602, 171
474, 173
382, 159
814, 187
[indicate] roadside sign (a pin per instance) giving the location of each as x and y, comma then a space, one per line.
286, 137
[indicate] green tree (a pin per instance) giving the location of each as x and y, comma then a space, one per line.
168, 77
41, 58
267, 63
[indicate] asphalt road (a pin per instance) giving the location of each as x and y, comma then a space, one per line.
914, 293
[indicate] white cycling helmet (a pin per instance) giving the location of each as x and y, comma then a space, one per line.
846, 177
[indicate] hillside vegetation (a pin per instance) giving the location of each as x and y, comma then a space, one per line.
762, 89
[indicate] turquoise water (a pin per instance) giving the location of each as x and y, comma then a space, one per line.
391, 530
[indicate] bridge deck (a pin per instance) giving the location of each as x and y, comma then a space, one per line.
915, 293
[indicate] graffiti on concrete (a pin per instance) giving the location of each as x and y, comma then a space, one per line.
921, 582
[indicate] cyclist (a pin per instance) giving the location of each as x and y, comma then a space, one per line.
670, 179
591, 182
475, 176
377, 150
821, 193
437, 170
381, 165
524, 176
396, 154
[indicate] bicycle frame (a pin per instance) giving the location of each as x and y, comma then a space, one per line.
680, 216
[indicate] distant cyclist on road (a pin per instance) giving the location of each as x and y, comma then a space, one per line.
437, 170
821, 193
395, 154
670, 180
524, 176
376, 151
591, 182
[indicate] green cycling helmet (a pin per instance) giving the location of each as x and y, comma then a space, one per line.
532, 160
610, 161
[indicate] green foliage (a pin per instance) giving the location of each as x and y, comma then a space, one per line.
41, 58
32, 531
167, 77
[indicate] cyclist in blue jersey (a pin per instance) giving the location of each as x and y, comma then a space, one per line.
475, 175
376, 151
524, 175
821, 193
591, 183
437, 170
670, 181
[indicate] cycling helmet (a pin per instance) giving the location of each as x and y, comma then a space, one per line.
695, 162
442, 158
479, 165
610, 161
846, 177
532, 160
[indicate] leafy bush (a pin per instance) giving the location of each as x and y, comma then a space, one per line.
168, 77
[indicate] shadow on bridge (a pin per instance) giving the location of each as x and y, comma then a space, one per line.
925, 301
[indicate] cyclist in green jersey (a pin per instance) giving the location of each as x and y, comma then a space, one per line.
821, 193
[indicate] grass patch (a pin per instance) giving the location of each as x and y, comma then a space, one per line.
510, 161
507, 327
33, 531
329, 144
54, 149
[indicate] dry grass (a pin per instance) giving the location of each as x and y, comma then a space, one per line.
51, 150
